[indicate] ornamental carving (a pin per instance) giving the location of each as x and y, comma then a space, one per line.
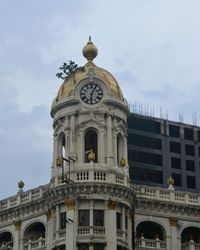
112, 205
70, 204
48, 214
17, 225
173, 221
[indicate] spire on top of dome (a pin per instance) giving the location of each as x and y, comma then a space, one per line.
90, 51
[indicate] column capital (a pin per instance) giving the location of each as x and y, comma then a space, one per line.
112, 204
70, 204
17, 225
173, 221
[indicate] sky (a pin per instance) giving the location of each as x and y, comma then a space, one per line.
152, 47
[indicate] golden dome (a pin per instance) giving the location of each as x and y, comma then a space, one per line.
90, 52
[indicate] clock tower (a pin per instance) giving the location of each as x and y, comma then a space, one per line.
90, 175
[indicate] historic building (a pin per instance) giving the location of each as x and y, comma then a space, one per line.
90, 202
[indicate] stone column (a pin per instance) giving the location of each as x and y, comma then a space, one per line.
91, 216
57, 220
175, 242
101, 147
16, 236
72, 137
49, 229
109, 156
111, 227
70, 226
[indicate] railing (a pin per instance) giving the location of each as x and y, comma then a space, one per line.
35, 244
6, 245
87, 230
92, 172
166, 195
23, 197
148, 244
191, 245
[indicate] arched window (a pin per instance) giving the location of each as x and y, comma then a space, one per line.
34, 233
61, 145
150, 230
190, 233
6, 240
91, 143
120, 148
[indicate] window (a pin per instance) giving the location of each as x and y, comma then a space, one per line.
176, 162
119, 220
98, 218
91, 142
188, 134
189, 149
145, 157
143, 124
126, 222
191, 182
177, 179
174, 131
146, 175
98, 246
190, 165
84, 217
63, 220
144, 141
120, 148
198, 133
83, 246
175, 147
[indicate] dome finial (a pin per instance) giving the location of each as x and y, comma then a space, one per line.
90, 50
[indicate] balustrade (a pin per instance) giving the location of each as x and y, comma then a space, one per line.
148, 244
38, 244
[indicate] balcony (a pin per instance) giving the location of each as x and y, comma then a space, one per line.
6, 245
148, 244
38, 244
91, 230
166, 195
23, 198
191, 245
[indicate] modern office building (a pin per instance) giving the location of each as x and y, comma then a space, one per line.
159, 148
90, 202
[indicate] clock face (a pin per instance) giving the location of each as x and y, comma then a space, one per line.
91, 93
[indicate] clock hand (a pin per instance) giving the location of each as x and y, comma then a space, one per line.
92, 93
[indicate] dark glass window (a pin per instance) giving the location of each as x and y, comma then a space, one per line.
98, 218
145, 157
83, 246
98, 246
144, 141
191, 182
188, 134
84, 217
63, 220
119, 220
174, 131
177, 179
175, 147
146, 175
189, 149
91, 142
190, 165
198, 133
143, 124
126, 222
176, 162
199, 151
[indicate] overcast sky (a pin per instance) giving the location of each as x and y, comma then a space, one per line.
152, 47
